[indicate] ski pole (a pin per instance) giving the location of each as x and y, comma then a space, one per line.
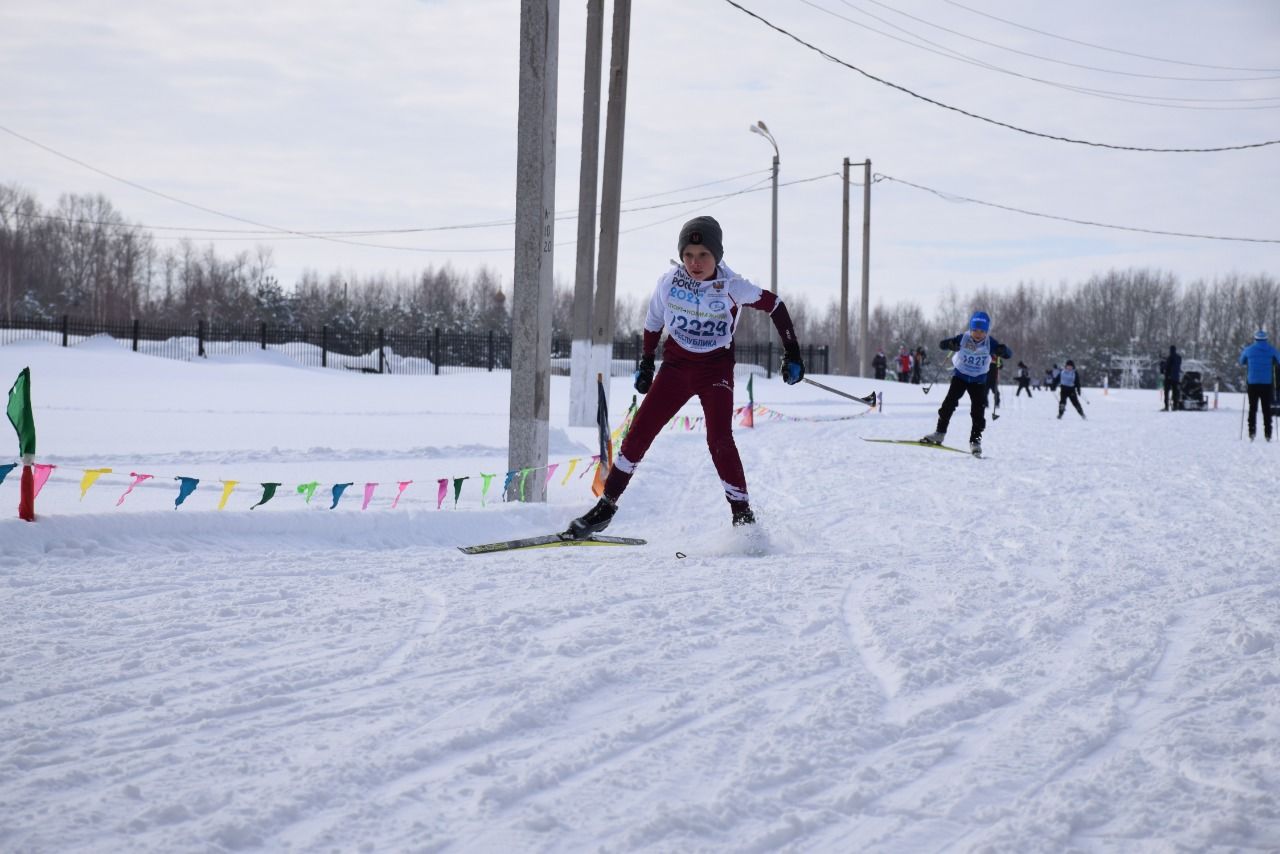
1244, 401
862, 400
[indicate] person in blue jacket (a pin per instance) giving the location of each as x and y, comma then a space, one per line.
1259, 356
973, 350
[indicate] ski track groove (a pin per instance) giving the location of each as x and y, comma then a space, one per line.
989, 666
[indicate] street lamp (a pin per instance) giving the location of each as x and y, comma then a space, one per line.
763, 130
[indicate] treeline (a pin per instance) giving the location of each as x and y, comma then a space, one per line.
82, 258
1137, 312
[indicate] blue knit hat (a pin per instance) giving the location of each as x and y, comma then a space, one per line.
1260, 335
980, 321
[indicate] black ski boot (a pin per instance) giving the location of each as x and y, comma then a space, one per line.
594, 520
742, 514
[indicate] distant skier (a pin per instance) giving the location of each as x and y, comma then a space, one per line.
1069, 387
1261, 359
1024, 380
973, 350
1171, 369
993, 384
699, 303
1055, 377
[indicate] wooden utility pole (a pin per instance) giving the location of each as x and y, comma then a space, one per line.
582, 395
534, 246
602, 325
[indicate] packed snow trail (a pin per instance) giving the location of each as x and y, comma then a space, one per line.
1069, 646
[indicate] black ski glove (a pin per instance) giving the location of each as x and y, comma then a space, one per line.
644, 376
792, 368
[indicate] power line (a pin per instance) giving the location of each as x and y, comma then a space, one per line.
1127, 97
981, 118
1111, 49
277, 231
999, 46
175, 199
243, 233
752, 189
290, 234
952, 197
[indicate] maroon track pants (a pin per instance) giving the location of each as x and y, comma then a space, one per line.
678, 381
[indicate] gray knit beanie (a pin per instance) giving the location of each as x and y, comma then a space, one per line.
705, 231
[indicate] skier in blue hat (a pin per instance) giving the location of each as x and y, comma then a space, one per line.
974, 349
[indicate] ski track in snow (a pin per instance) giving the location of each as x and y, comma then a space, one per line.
1069, 646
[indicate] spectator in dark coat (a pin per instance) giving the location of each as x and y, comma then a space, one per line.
879, 363
917, 364
1171, 369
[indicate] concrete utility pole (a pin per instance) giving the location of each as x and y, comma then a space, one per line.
602, 325
582, 393
864, 323
844, 275
535, 239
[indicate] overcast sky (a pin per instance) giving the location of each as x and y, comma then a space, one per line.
338, 116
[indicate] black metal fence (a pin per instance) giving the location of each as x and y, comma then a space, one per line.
371, 351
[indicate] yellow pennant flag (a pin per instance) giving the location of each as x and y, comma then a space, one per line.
90, 476
227, 486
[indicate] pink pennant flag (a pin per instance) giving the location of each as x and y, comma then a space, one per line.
137, 479
551, 469
42, 472
404, 484
444, 490
595, 461
368, 495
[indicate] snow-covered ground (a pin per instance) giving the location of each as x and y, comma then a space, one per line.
1068, 646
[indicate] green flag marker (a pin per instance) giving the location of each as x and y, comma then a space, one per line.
20, 415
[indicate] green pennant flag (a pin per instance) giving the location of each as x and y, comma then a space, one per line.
20, 414
268, 492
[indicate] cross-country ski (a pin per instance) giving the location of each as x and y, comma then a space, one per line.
549, 541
